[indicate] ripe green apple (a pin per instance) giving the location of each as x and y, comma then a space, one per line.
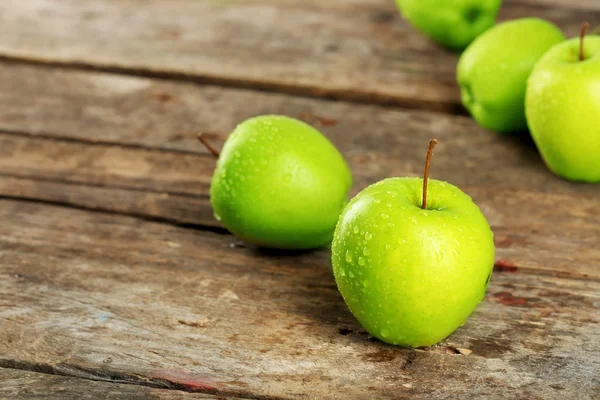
563, 109
411, 276
452, 23
492, 72
279, 183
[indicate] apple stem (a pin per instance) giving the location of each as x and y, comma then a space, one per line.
432, 144
208, 146
584, 28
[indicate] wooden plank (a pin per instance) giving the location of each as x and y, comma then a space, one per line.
360, 50
21, 385
103, 162
138, 300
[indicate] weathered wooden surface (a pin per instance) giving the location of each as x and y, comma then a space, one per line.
153, 176
115, 295
359, 50
21, 385
116, 281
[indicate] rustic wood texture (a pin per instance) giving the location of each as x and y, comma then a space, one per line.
103, 158
26, 385
107, 295
359, 50
117, 282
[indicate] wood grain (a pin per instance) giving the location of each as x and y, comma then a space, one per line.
360, 50
116, 281
102, 161
122, 298
26, 385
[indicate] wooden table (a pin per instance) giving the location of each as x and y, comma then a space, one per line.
118, 283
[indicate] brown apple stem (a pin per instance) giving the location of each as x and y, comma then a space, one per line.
208, 146
432, 144
584, 28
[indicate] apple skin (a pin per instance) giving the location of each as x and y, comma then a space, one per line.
451, 23
563, 109
492, 72
280, 183
412, 276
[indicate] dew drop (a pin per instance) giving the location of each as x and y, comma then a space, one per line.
366, 251
355, 230
387, 246
368, 235
385, 333
350, 274
348, 256
361, 261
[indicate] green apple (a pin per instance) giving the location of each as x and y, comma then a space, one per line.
452, 23
279, 183
412, 275
563, 109
492, 72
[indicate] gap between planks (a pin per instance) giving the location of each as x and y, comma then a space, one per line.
347, 95
156, 219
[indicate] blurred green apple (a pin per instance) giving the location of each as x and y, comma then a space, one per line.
563, 109
279, 183
452, 23
492, 72
412, 275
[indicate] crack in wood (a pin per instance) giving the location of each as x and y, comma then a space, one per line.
102, 375
105, 186
99, 142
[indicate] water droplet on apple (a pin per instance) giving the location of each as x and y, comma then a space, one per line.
355, 230
385, 333
384, 216
368, 236
342, 272
287, 177
366, 251
387, 246
361, 261
348, 256
350, 274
